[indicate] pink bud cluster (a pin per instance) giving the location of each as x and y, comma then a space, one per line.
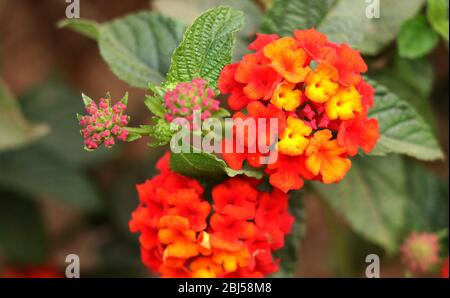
188, 97
103, 123
420, 252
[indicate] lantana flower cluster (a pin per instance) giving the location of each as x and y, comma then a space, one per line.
104, 123
188, 97
315, 89
183, 234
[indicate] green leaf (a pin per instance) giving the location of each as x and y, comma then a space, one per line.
372, 199
187, 10
428, 201
86, 27
206, 165
349, 248
22, 233
35, 171
402, 129
289, 253
156, 89
246, 171
15, 130
221, 113
285, 16
411, 80
342, 20
206, 46
138, 47
437, 14
155, 105
56, 105
416, 38
383, 205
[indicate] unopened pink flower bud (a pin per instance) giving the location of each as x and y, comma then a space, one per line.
188, 97
104, 123
123, 135
420, 252
123, 120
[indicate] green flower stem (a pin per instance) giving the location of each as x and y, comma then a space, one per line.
143, 130
135, 133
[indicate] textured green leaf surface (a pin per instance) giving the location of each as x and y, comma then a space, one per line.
155, 105
416, 38
383, 199
372, 198
35, 171
437, 14
15, 130
138, 47
402, 129
85, 27
285, 16
412, 81
428, 201
187, 10
22, 234
343, 20
206, 46
206, 165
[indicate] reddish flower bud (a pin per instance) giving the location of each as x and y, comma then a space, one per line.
104, 123
420, 252
188, 97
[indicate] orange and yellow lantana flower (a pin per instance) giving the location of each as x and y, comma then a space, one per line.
318, 87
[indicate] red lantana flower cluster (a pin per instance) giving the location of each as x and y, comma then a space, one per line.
232, 235
315, 90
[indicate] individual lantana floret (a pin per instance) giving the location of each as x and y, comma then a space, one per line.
420, 252
184, 235
344, 105
286, 97
322, 83
188, 97
317, 88
288, 59
104, 123
325, 157
294, 139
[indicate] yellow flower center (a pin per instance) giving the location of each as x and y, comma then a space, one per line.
321, 84
286, 98
293, 140
344, 104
